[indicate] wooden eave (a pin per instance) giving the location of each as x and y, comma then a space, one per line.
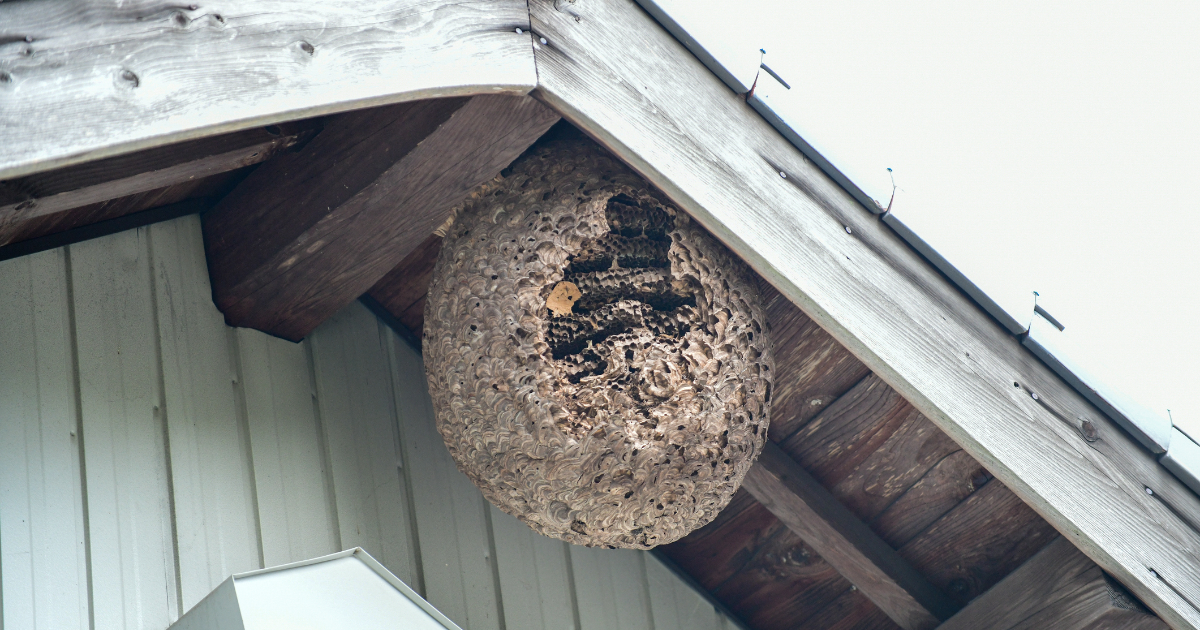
852, 299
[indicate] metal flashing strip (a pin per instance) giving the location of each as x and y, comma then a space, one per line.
786, 130
1148, 427
894, 221
1183, 460
759, 104
701, 53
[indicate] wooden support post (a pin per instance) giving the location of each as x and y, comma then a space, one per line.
55, 194
845, 542
308, 233
1058, 588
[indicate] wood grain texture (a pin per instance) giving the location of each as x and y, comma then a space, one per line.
134, 579
34, 227
944, 486
122, 76
44, 195
802, 504
402, 291
812, 369
978, 542
43, 552
1058, 588
715, 552
850, 430
357, 409
303, 237
654, 105
215, 518
782, 584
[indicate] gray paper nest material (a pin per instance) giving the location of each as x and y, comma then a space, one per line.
630, 419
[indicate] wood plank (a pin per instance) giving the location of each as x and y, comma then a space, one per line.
611, 588
296, 512
849, 431
811, 368
31, 228
70, 236
132, 543
123, 76
900, 462
674, 604
802, 504
784, 583
354, 394
1059, 588
717, 551
452, 523
721, 163
214, 512
43, 566
303, 237
402, 291
47, 196
850, 610
978, 542
535, 575
944, 486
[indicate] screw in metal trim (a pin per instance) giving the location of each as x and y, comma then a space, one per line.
1033, 395
848, 230
1149, 491
782, 174
543, 40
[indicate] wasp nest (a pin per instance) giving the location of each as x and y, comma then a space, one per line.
599, 365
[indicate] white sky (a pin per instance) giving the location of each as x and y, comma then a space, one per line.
1041, 146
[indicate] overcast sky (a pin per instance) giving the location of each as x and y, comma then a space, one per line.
1041, 146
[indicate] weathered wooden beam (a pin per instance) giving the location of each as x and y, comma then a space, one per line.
103, 228
1058, 588
846, 543
40, 196
646, 98
116, 77
308, 233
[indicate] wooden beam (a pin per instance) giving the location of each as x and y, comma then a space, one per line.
1058, 588
123, 76
647, 99
845, 542
40, 196
104, 228
308, 233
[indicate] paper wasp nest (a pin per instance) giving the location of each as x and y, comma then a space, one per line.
599, 365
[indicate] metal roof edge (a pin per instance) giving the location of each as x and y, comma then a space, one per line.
1183, 460
1005, 319
1152, 430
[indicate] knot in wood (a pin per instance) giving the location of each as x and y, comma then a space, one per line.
599, 365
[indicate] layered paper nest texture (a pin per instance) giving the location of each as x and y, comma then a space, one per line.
599, 365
